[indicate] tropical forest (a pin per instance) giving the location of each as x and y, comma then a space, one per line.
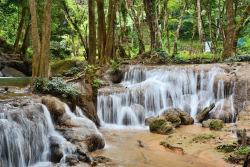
125, 83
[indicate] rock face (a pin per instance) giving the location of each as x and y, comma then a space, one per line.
228, 82
149, 120
216, 124
200, 117
82, 132
177, 117
60, 67
22, 66
11, 72
85, 102
161, 125
225, 112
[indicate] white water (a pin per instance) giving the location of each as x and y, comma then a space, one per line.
158, 89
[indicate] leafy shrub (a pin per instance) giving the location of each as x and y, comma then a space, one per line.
96, 82
232, 59
114, 66
239, 58
178, 59
162, 53
72, 71
56, 86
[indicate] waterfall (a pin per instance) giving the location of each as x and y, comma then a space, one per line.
156, 89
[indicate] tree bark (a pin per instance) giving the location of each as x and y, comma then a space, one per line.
178, 30
200, 25
35, 40
135, 19
20, 27
230, 27
194, 30
239, 27
45, 43
149, 7
73, 45
167, 28
101, 31
26, 40
92, 33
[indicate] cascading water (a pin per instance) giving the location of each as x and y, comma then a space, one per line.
149, 91
25, 136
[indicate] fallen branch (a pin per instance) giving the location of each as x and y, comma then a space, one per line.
76, 78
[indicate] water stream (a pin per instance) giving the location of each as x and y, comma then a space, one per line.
148, 91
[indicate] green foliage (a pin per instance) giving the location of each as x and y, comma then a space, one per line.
72, 71
56, 86
96, 82
162, 53
239, 58
91, 69
225, 148
114, 66
178, 59
242, 150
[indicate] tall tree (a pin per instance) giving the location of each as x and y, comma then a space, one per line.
178, 29
149, 7
20, 27
101, 31
92, 33
135, 18
200, 25
242, 23
230, 27
41, 49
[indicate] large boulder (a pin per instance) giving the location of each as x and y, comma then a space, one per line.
216, 124
225, 112
161, 125
200, 117
206, 124
171, 116
56, 153
116, 76
22, 66
11, 72
178, 117
60, 67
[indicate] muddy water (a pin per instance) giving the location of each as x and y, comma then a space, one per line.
15, 81
123, 149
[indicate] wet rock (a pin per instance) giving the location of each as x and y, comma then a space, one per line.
85, 102
161, 125
116, 76
225, 112
228, 82
172, 116
11, 72
2, 63
149, 120
56, 153
206, 124
54, 106
186, 119
101, 159
216, 124
82, 158
70, 158
139, 110
200, 117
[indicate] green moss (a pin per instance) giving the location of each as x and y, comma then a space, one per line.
216, 124
160, 125
62, 66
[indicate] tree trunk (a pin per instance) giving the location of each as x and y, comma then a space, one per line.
26, 40
35, 40
178, 30
110, 38
200, 25
101, 31
194, 30
149, 7
230, 26
135, 19
92, 33
20, 27
167, 28
45, 43
239, 27
73, 45
78, 46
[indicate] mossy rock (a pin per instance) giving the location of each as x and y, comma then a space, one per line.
60, 67
171, 116
161, 125
216, 124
